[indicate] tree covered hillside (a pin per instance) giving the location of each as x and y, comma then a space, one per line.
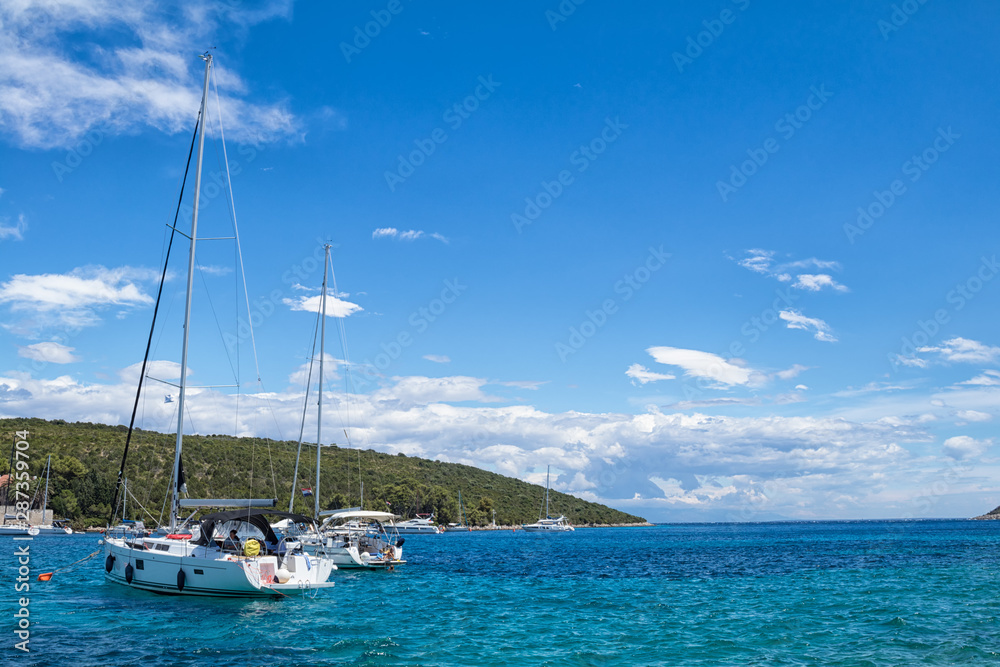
86, 457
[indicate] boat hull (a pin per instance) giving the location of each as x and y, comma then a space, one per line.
207, 572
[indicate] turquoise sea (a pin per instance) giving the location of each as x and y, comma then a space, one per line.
817, 593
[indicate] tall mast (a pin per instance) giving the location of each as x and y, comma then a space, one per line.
322, 348
187, 305
45, 498
546, 492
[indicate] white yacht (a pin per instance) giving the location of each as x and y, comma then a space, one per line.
259, 563
549, 524
419, 525
358, 539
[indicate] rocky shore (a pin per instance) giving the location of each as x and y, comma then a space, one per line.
994, 515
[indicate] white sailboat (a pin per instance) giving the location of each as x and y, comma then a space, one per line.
191, 558
359, 539
21, 526
548, 524
55, 527
462, 526
351, 538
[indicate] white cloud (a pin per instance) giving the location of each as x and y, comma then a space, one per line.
792, 372
15, 231
762, 262
301, 375
796, 320
643, 375
914, 362
53, 353
314, 304
758, 261
965, 350
215, 270
408, 235
702, 364
974, 416
167, 371
417, 390
988, 378
75, 298
438, 358
60, 80
532, 385
816, 282
963, 447
802, 387
790, 465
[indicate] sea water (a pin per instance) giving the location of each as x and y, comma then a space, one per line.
823, 593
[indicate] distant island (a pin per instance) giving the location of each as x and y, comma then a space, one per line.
994, 515
86, 458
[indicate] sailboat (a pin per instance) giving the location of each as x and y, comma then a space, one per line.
463, 525
549, 524
352, 538
55, 527
191, 558
22, 527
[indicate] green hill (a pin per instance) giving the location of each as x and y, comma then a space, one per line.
86, 457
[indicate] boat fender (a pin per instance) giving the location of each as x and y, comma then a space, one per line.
180, 580
128, 573
400, 541
283, 575
109, 563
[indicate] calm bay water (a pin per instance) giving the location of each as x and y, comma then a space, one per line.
830, 593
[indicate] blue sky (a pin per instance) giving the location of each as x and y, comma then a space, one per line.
724, 260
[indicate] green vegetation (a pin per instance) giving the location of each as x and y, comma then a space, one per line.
85, 460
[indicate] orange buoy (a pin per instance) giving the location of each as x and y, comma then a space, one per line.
45, 576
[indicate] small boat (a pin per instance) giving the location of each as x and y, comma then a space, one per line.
422, 524
22, 527
461, 527
57, 527
549, 524
358, 539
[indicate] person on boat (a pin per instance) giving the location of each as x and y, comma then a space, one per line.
275, 547
232, 542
